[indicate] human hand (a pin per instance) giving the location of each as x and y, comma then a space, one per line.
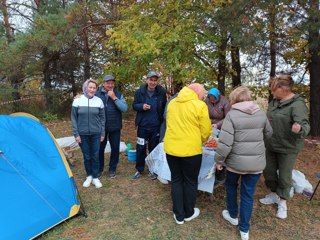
296, 127
102, 138
78, 139
219, 167
111, 94
146, 106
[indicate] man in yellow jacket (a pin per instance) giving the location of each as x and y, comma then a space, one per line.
188, 127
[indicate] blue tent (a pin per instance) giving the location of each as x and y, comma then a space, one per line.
37, 186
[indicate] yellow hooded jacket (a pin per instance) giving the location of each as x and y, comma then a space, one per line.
188, 125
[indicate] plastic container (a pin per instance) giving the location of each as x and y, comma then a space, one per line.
132, 154
129, 147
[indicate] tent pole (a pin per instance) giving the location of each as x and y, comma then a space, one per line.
82, 209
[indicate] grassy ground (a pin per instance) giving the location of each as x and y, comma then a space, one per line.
123, 209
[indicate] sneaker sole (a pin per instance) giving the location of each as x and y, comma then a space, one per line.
192, 217
177, 222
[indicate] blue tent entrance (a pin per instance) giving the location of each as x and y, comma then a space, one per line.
37, 186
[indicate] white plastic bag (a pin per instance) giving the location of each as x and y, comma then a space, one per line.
299, 182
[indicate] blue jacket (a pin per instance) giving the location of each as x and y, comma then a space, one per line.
141, 97
113, 109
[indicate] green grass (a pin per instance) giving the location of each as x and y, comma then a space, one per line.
123, 209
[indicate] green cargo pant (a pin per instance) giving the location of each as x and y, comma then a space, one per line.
284, 162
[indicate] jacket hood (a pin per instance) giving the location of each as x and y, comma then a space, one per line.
186, 94
85, 88
248, 107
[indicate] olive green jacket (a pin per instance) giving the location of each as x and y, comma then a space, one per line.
281, 116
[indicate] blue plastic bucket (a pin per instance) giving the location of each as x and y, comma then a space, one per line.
132, 155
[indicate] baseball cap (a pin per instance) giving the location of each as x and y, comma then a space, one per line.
108, 78
152, 74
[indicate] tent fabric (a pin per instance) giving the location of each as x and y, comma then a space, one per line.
38, 190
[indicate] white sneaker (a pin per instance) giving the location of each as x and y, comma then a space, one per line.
271, 198
162, 180
282, 209
195, 214
87, 182
97, 182
244, 236
177, 222
226, 216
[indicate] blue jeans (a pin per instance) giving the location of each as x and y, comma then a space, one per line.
90, 145
247, 190
114, 140
184, 178
151, 137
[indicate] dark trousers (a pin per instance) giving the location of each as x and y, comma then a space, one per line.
90, 149
150, 138
114, 140
184, 184
279, 183
247, 190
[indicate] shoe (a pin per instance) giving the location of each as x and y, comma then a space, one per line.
177, 222
97, 182
112, 174
87, 182
282, 212
195, 214
271, 198
136, 176
152, 175
226, 216
244, 236
163, 181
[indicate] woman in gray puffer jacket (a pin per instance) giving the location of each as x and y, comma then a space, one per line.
241, 149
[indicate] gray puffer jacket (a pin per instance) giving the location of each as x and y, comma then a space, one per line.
242, 139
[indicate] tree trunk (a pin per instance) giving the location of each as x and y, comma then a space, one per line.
236, 66
15, 77
273, 43
86, 55
7, 27
314, 68
222, 66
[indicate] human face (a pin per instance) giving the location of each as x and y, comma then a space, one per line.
212, 99
279, 93
108, 85
92, 88
152, 83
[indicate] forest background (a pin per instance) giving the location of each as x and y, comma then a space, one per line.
49, 47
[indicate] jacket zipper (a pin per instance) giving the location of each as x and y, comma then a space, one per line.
88, 117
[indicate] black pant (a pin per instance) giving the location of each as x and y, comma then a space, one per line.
184, 178
114, 140
150, 137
